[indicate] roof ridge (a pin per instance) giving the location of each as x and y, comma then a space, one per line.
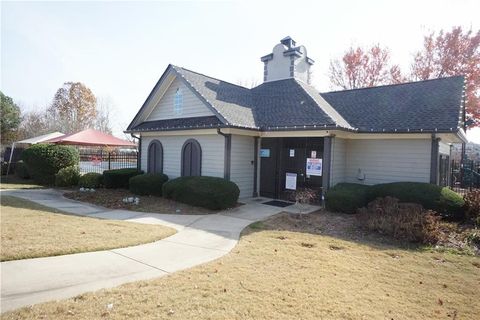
204, 75
332, 113
394, 84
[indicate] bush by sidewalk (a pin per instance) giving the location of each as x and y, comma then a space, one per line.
208, 192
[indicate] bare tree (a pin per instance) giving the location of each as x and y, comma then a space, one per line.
102, 120
359, 68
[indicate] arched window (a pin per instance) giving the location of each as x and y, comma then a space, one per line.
155, 157
191, 158
178, 102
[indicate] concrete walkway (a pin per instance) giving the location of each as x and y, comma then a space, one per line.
200, 238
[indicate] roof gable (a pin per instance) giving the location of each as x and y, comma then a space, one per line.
162, 85
192, 106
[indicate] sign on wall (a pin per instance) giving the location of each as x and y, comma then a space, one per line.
292, 153
314, 167
265, 153
314, 154
291, 181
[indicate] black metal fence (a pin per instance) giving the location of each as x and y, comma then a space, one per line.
465, 176
92, 160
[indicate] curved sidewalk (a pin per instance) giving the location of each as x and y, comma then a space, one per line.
199, 239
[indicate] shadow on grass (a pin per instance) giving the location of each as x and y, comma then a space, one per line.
334, 225
19, 203
14, 182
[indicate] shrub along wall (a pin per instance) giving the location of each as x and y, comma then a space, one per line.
119, 178
148, 184
90, 180
348, 197
208, 192
43, 161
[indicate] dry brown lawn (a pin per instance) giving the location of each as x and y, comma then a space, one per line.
29, 230
112, 198
316, 267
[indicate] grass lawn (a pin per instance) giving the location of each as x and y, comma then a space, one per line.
112, 198
14, 182
29, 230
290, 267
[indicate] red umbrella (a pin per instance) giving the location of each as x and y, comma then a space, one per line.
91, 137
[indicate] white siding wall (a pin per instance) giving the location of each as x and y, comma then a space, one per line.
212, 154
384, 161
339, 161
242, 166
192, 105
444, 148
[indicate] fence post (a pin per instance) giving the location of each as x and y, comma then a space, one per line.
109, 164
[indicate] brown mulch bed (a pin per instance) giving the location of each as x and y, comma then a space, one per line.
113, 199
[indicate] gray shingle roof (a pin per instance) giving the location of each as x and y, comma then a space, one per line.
232, 102
286, 103
427, 105
290, 104
179, 124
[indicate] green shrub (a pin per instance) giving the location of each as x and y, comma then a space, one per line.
207, 192
119, 178
403, 221
43, 161
67, 177
90, 180
346, 197
440, 199
21, 170
148, 184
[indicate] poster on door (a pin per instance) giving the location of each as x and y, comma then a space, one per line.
291, 181
314, 167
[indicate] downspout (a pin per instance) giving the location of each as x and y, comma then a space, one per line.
139, 155
227, 161
255, 167
434, 160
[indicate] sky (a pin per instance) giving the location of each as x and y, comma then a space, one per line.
120, 49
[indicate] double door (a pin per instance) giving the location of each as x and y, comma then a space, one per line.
282, 157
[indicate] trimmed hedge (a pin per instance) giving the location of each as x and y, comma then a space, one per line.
148, 184
207, 192
21, 170
90, 180
119, 178
440, 199
67, 177
346, 197
43, 161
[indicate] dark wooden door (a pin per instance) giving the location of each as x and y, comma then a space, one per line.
191, 158
269, 167
314, 145
155, 157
